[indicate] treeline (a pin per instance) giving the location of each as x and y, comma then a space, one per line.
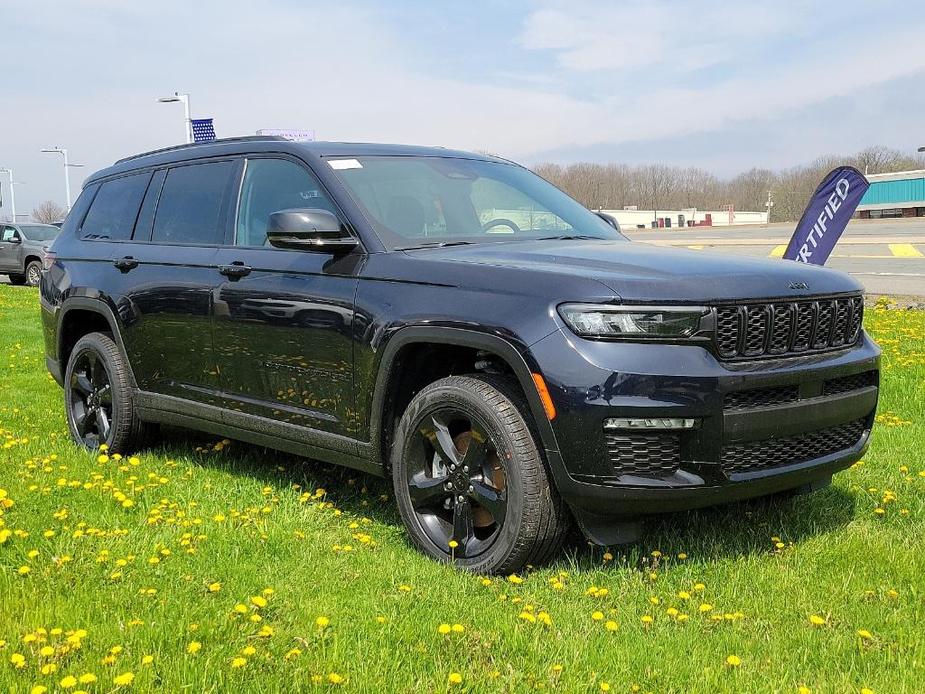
659, 186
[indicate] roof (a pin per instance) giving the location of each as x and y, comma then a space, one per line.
896, 175
259, 143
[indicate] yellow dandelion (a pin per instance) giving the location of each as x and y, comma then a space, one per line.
321, 622
611, 625
334, 678
733, 661
68, 682
238, 662
215, 587
597, 616
193, 647
124, 680
259, 601
816, 620
444, 628
455, 678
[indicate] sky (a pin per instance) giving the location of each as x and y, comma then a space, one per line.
717, 84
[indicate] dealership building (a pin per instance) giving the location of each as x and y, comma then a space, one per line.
900, 194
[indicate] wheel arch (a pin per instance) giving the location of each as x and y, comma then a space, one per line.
500, 348
80, 316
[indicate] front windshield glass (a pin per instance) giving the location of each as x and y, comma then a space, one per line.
414, 201
35, 232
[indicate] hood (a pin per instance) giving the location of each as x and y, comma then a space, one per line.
637, 271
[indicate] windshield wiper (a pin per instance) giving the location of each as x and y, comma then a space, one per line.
434, 244
571, 237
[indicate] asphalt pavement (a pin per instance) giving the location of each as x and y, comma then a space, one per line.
886, 256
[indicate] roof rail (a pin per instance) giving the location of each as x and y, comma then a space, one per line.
174, 148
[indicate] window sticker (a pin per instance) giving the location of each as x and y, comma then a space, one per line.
339, 164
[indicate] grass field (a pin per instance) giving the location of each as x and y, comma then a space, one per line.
215, 566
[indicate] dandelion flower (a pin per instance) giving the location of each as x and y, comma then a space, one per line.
193, 647
215, 587
68, 682
321, 622
733, 661
597, 616
238, 662
864, 634
444, 628
455, 678
87, 678
124, 680
334, 678
611, 625
458, 628
816, 620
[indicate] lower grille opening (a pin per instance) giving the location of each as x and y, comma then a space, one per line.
651, 454
760, 397
846, 384
762, 455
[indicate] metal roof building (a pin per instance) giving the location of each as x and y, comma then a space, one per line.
900, 194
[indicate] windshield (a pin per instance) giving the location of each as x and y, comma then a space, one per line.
36, 232
423, 201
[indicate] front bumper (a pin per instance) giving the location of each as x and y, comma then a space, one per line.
763, 426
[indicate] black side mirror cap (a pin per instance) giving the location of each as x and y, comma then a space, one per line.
309, 230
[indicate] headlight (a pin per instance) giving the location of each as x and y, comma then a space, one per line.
595, 320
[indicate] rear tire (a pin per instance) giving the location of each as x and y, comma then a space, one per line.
33, 273
472, 433
17, 279
98, 397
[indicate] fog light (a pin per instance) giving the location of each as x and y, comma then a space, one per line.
653, 423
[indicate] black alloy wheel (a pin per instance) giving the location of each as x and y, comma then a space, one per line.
90, 399
98, 397
470, 480
456, 482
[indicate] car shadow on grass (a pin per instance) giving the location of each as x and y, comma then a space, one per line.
711, 534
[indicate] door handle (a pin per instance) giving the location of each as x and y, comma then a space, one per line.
234, 271
125, 264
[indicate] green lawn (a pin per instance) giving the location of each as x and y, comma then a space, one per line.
209, 566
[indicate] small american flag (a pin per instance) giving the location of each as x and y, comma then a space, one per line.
203, 130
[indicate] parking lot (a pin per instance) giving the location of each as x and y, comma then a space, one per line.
887, 257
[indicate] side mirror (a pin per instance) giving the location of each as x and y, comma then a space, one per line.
309, 230
16, 239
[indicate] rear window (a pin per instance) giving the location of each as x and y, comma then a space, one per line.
115, 207
191, 208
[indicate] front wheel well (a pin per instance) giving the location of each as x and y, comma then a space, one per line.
29, 259
419, 364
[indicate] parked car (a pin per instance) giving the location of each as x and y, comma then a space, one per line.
22, 248
452, 321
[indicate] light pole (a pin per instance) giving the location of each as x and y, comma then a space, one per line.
12, 192
184, 98
67, 177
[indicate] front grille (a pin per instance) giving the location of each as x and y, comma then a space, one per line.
846, 384
648, 454
789, 327
761, 455
760, 397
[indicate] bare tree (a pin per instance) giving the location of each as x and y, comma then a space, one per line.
659, 186
48, 212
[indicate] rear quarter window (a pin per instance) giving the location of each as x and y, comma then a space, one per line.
113, 211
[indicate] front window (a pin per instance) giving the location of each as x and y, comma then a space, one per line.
35, 232
414, 201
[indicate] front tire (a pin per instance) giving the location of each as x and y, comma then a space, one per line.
467, 470
98, 397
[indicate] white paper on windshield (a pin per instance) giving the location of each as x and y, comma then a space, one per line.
345, 164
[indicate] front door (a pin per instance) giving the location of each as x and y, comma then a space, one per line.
283, 319
9, 250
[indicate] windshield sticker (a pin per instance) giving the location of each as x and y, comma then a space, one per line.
344, 164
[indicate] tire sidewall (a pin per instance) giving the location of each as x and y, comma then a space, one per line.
92, 343
26, 275
442, 397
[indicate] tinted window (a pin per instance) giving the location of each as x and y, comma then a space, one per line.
114, 209
192, 203
271, 185
36, 232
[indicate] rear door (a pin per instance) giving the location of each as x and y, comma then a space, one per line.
165, 274
284, 319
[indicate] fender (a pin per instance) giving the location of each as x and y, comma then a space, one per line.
96, 306
465, 338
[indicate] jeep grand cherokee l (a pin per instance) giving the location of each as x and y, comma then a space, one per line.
456, 322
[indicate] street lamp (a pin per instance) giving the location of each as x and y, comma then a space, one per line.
67, 178
184, 98
12, 192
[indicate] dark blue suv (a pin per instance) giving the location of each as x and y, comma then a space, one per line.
458, 323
